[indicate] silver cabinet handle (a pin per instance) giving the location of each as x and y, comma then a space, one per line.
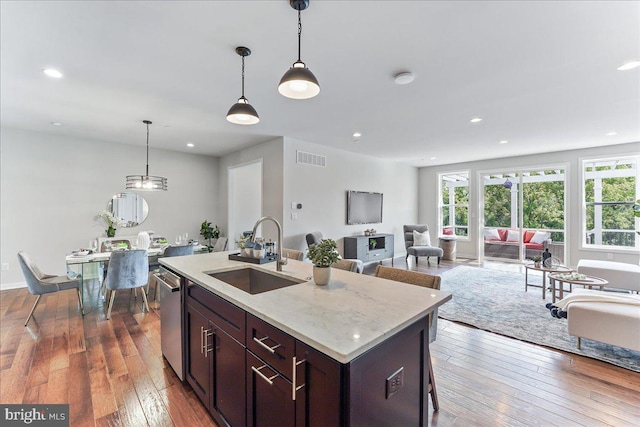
294, 387
204, 341
264, 377
271, 350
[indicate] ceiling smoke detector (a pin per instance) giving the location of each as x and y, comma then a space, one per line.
404, 78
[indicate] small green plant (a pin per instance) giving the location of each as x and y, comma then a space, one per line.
242, 241
536, 258
209, 232
324, 253
373, 243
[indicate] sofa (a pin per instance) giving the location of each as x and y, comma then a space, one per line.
611, 322
620, 275
504, 242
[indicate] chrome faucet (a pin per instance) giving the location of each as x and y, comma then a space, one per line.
280, 261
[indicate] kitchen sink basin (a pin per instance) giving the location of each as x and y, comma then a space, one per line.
254, 281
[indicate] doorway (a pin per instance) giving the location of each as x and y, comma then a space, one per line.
245, 198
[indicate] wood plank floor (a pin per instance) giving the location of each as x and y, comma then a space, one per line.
113, 374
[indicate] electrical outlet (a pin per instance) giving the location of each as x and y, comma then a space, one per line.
294, 215
609, 256
395, 382
5, 266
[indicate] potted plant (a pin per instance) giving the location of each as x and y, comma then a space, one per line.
242, 244
322, 255
111, 221
209, 232
536, 261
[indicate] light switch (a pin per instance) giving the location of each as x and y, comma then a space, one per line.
293, 205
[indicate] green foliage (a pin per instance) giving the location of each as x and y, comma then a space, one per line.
209, 232
324, 253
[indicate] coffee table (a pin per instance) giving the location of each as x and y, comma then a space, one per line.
544, 270
585, 280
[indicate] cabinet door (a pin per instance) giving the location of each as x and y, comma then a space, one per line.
197, 330
269, 398
229, 378
318, 379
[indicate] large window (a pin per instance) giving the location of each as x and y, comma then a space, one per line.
610, 190
454, 204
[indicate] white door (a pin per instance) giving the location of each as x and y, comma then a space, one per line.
245, 199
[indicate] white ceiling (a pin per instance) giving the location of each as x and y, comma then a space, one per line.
542, 75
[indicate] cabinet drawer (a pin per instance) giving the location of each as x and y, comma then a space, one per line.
271, 345
225, 315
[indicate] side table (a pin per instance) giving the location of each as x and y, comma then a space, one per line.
544, 270
448, 246
582, 280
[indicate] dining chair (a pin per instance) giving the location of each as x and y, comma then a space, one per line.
315, 237
127, 270
346, 264
221, 244
427, 281
293, 254
40, 284
169, 251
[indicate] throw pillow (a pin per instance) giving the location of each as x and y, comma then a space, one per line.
421, 239
540, 237
528, 234
491, 234
513, 236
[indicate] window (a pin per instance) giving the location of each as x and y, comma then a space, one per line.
454, 204
610, 188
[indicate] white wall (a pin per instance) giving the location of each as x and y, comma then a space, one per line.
272, 175
53, 187
245, 199
428, 189
323, 194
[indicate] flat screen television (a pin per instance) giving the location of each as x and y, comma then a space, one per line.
364, 207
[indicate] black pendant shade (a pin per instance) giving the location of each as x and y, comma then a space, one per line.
242, 113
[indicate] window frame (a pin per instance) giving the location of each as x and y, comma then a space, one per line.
452, 207
584, 161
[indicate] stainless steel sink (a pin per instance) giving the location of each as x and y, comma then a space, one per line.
254, 281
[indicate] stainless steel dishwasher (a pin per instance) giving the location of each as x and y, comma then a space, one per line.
171, 319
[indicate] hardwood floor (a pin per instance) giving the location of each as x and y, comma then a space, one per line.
113, 374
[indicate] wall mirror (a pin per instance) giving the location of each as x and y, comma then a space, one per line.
131, 208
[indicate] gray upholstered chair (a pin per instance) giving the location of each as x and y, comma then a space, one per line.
169, 251
315, 237
293, 254
221, 244
419, 250
127, 270
40, 284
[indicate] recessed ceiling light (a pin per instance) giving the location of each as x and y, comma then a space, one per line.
432, 158
357, 134
52, 73
503, 142
629, 66
55, 124
190, 144
612, 133
476, 120
404, 78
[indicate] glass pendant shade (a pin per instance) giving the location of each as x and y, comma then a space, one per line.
242, 113
299, 82
146, 182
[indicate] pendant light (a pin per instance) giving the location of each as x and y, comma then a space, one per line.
242, 113
146, 182
299, 82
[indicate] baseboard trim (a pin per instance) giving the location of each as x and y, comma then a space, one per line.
16, 285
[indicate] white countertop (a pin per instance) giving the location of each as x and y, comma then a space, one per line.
344, 319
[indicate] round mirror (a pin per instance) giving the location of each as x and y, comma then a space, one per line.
131, 208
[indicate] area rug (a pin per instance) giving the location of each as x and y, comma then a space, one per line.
496, 301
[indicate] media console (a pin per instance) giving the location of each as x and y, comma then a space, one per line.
369, 248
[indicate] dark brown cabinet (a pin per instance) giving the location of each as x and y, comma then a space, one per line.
247, 372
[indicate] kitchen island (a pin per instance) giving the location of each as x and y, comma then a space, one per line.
354, 352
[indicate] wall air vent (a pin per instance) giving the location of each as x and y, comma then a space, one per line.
311, 159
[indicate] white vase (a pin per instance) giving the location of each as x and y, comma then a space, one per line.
321, 275
143, 241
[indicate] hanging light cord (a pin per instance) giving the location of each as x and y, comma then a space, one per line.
243, 76
299, 34
147, 149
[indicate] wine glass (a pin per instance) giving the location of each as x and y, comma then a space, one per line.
93, 245
185, 237
178, 239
